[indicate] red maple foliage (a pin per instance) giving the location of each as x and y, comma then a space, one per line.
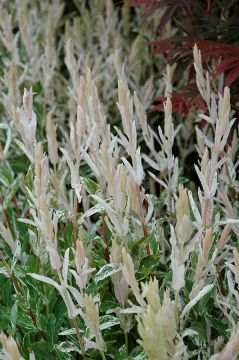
213, 26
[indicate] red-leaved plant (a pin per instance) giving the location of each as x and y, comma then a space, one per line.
212, 26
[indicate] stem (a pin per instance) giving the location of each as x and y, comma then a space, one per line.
103, 355
37, 264
160, 185
33, 317
8, 221
74, 221
14, 199
142, 216
176, 305
126, 341
44, 287
79, 338
104, 229
170, 192
205, 212
183, 321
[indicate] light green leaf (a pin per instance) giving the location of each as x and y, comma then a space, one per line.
67, 347
106, 271
108, 321
17, 254
13, 316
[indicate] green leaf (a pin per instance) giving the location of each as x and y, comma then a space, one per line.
19, 163
98, 257
91, 186
6, 291
147, 266
141, 356
68, 332
138, 244
200, 328
64, 356
6, 176
13, 189
37, 247
4, 318
108, 305
122, 354
138, 354
67, 347
219, 326
93, 287
60, 313
44, 350
62, 215
204, 302
106, 271
107, 321
25, 322
17, 255
194, 259
29, 178
68, 235
4, 272
13, 316
51, 329
37, 87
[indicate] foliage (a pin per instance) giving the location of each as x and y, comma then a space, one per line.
209, 24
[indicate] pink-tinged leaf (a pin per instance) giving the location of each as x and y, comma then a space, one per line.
65, 266
77, 295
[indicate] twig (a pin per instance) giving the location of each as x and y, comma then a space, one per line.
79, 338
74, 221
104, 229
14, 199
33, 317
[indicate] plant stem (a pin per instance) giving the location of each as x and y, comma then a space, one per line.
14, 199
8, 221
142, 216
74, 221
176, 305
104, 230
33, 317
126, 340
37, 264
45, 286
205, 212
103, 355
170, 192
79, 338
